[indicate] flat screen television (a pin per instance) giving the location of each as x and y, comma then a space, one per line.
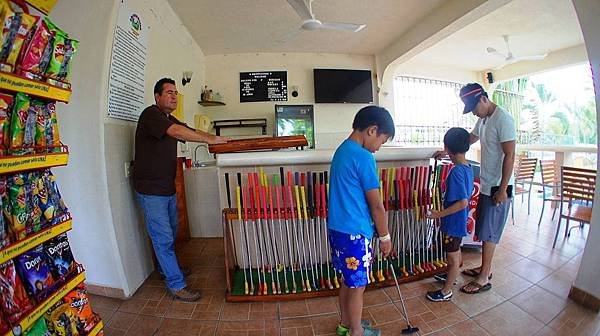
343, 86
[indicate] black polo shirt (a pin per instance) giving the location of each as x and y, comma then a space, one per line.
155, 153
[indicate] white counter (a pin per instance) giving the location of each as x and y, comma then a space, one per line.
316, 156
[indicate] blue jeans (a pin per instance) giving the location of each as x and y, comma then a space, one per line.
160, 213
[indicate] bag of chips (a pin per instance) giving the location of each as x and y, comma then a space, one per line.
23, 35
38, 328
29, 132
4, 236
11, 23
63, 321
40, 127
58, 53
4, 328
52, 133
37, 222
17, 196
33, 55
59, 256
35, 272
54, 204
65, 68
14, 301
5, 114
18, 121
78, 301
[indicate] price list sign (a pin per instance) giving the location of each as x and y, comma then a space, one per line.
263, 86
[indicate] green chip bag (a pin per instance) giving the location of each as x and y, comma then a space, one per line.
40, 127
18, 120
58, 55
39, 328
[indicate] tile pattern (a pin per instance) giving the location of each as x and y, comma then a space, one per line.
529, 297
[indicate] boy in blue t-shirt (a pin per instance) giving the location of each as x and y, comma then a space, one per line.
459, 188
354, 204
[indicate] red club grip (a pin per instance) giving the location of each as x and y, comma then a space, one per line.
324, 201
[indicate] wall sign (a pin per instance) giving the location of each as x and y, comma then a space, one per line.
263, 86
128, 66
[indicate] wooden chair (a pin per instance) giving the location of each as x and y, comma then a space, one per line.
549, 180
577, 188
524, 172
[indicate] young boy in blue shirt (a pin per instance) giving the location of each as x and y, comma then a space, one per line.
354, 205
459, 188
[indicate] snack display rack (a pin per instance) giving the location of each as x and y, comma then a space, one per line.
57, 155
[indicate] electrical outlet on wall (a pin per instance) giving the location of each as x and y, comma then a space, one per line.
127, 169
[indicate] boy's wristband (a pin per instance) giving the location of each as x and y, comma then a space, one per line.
385, 238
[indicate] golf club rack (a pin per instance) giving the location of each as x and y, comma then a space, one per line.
276, 242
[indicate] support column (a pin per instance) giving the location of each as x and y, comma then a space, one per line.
586, 289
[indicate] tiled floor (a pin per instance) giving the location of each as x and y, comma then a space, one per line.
529, 297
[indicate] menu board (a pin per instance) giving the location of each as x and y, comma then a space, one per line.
263, 86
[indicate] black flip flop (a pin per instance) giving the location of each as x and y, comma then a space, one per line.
473, 273
479, 288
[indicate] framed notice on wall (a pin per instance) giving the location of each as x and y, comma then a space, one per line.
128, 65
263, 86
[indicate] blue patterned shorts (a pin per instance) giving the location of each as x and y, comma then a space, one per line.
351, 255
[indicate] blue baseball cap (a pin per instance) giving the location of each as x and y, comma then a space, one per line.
470, 94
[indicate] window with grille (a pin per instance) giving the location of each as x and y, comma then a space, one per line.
425, 109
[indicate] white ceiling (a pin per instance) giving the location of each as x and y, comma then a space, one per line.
246, 26
243, 26
533, 26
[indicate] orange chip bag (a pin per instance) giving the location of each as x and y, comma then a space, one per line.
79, 303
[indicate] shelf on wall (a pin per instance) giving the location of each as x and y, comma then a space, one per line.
13, 164
14, 83
28, 320
19, 247
211, 103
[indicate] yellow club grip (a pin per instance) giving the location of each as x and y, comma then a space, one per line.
297, 202
239, 203
416, 206
261, 173
381, 190
303, 202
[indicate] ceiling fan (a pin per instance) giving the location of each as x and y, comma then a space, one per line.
304, 10
510, 58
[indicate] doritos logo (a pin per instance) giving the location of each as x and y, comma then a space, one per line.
33, 263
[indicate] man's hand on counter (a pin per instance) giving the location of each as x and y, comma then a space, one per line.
438, 155
219, 140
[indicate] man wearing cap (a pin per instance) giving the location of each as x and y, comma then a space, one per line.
496, 131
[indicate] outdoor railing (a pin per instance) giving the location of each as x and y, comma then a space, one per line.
434, 136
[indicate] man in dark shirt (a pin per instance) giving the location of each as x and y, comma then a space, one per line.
154, 170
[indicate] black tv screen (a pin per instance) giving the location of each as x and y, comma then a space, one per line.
343, 86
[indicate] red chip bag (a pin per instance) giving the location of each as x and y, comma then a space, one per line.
3, 325
79, 303
14, 302
35, 50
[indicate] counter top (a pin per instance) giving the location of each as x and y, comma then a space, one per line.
316, 156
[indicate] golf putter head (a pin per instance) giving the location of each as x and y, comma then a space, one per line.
410, 330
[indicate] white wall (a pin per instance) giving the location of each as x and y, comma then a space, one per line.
588, 12
333, 122
108, 235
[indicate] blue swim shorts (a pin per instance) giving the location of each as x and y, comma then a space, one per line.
351, 255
